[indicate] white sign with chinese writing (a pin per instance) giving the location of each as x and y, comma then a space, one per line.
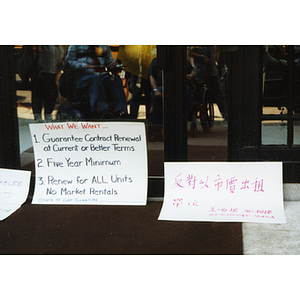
14, 187
90, 163
237, 192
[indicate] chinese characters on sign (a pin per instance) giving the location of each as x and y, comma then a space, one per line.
229, 184
246, 192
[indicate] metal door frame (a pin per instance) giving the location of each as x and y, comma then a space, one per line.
9, 130
245, 114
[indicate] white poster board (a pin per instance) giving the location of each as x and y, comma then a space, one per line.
90, 163
14, 187
223, 192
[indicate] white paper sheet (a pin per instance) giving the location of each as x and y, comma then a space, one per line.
90, 163
14, 187
222, 192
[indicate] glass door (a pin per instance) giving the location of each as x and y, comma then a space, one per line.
158, 92
207, 102
265, 107
133, 91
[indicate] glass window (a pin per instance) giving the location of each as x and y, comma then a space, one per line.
207, 103
62, 84
274, 133
281, 95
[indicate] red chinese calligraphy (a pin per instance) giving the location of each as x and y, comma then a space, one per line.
191, 180
177, 201
203, 184
231, 184
213, 209
245, 184
177, 182
218, 183
258, 185
193, 203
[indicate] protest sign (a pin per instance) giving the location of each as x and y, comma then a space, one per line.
14, 187
223, 192
90, 163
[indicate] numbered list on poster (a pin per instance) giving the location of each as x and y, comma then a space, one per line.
90, 163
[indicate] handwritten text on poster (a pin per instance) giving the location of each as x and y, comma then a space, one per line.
14, 187
245, 192
90, 163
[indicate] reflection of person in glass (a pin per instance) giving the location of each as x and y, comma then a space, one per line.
105, 90
45, 91
138, 85
205, 57
276, 72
